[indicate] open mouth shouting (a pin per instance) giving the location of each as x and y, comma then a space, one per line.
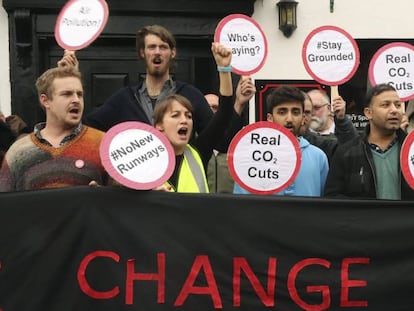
75, 112
290, 127
183, 132
157, 61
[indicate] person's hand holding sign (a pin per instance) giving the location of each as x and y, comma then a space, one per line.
405, 122
164, 187
244, 92
69, 59
338, 107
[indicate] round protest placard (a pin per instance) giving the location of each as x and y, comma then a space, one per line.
137, 155
394, 64
407, 159
80, 22
264, 158
246, 40
330, 55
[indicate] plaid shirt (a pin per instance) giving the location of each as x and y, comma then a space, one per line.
379, 150
40, 126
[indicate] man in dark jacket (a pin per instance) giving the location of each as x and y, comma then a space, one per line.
344, 129
156, 47
369, 166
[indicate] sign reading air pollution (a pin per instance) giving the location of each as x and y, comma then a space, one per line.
137, 155
246, 40
394, 64
264, 158
330, 55
80, 22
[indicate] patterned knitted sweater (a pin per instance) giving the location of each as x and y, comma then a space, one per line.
31, 165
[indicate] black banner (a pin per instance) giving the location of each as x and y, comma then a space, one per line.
118, 249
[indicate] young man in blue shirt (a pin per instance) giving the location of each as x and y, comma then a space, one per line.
285, 106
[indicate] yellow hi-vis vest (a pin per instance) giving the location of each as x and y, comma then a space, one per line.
192, 177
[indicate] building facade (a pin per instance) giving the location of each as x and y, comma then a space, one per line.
28, 46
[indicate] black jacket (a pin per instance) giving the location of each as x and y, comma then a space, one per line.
344, 132
352, 171
124, 106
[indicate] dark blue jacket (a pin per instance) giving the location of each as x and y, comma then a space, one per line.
124, 106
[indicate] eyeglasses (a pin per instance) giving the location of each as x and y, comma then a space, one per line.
319, 107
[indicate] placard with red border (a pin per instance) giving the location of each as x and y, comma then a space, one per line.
244, 36
394, 64
264, 158
407, 159
137, 155
330, 55
80, 22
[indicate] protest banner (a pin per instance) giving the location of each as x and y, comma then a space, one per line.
113, 248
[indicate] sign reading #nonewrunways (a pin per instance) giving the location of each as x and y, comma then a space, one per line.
80, 22
247, 42
137, 155
264, 158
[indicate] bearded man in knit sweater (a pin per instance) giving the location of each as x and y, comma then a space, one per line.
61, 152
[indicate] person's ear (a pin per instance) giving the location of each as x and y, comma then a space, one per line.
159, 127
173, 53
368, 113
141, 53
303, 119
269, 117
44, 101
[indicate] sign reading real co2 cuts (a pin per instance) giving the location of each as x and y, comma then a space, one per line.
264, 158
394, 64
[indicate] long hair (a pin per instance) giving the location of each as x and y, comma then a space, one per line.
163, 33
